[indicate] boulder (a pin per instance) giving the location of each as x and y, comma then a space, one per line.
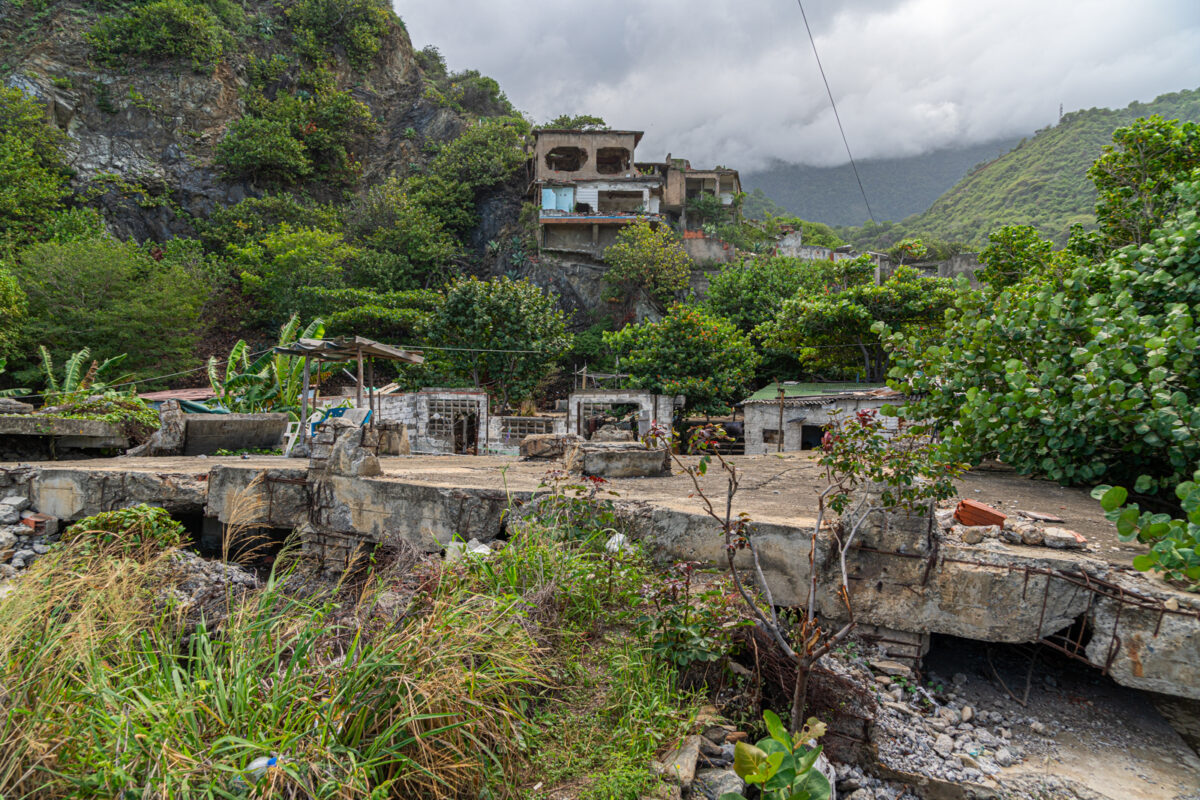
712, 783
347, 456
1063, 539
679, 765
547, 446
170, 437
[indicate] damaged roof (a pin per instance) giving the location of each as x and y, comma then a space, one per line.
347, 348
810, 394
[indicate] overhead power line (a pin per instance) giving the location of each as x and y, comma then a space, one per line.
836, 116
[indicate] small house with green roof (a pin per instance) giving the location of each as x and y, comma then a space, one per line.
802, 410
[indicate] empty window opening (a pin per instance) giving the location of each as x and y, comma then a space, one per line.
566, 159
811, 436
613, 416
514, 429
612, 160
456, 422
621, 202
770, 436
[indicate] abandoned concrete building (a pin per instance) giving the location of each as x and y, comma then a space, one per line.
589, 185
802, 410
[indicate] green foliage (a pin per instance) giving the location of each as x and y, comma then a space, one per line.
485, 155
577, 122
308, 133
687, 625
1174, 543
1094, 379
162, 30
272, 382
392, 317
829, 328
691, 352
650, 258
706, 209
761, 207
1134, 177
356, 27
752, 291
451, 203
32, 178
783, 765
123, 409
251, 219
126, 532
1043, 182
390, 219
502, 315
274, 269
13, 309
115, 297
1014, 253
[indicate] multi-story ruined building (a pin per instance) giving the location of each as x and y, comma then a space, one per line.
589, 185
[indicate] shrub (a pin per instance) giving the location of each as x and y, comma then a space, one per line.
141, 529
355, 26
13, 309
167, 29
253, 217
486, 154
260, 148
390, 220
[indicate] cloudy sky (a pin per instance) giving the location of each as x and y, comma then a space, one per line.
735, 82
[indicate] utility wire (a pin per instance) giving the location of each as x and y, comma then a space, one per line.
836, 116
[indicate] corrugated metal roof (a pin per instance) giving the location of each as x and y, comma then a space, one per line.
797, 389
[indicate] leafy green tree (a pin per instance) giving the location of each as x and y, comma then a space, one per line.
485, 155
1174, 542
834, 325
32, 176
908, 250
752, 291
1014, 253
690, 352
252, 218
649, 258
393, 317
1094, 379
114, 297
520, 326
577, 122
272, 382
274, 269
1135, 174
817, 234
262, 148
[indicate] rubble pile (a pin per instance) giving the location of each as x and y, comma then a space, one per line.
25, 535
980, 524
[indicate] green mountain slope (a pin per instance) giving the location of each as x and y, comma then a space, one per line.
896, 187
1042, 181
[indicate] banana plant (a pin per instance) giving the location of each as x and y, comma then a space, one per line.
272, 382
17, 392
77, 384
783, 765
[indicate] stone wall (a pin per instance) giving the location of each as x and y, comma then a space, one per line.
654, 407
763, 416
428, 416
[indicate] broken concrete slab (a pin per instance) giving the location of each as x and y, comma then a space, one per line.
548, 446
621, 460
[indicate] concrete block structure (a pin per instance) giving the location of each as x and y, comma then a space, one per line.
806, 409
586, 405
440, 421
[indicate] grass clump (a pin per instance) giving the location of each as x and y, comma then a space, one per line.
482, 678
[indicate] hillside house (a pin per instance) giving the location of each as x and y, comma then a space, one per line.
589, 185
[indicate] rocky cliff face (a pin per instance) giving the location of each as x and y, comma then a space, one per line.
141, 141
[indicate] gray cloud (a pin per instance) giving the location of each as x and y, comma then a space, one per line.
734, 81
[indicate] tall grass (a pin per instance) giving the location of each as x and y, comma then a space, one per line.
104, 694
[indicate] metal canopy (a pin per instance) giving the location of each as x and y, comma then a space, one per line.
348, 348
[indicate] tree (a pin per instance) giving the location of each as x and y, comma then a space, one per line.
1094, 379
507, 335
1014, 253
32, 176
1134, 176
578, 122
650, 258
908, 250
692, 353
752, 291
844, 320
275, 268
115, 297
